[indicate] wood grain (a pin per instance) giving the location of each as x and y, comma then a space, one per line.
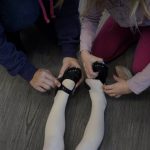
24, 111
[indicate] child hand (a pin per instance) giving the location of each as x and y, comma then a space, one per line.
117, 89
69, 62
43, 80
88, 59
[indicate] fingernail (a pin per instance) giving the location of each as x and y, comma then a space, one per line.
118, 96
60, 75
58, 84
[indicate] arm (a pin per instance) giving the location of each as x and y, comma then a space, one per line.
140, 81
68, 32
14, 61
68, 27
89, 26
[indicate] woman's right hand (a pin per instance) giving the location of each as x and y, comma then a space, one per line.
87, 60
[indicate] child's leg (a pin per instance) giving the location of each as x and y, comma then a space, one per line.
142, 53
112, 40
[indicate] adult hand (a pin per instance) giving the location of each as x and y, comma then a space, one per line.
87, 60
69, 62
43, 80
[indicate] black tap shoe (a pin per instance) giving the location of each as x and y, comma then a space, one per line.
73, 74
102, 70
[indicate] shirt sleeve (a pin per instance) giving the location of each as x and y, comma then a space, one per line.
13, 60
89, 26
140, 81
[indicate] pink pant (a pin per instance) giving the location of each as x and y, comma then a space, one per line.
113, 40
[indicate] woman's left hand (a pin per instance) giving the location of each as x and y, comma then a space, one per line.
117, 89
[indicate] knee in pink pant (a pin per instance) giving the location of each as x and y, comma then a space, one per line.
112, 40
136, 69
138, 66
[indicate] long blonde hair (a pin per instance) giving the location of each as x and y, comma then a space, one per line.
143, 4
134, 6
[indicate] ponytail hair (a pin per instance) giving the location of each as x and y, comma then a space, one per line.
135, 4
145, 8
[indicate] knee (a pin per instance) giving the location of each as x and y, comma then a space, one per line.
136, 68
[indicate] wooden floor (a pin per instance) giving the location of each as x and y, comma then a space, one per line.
24, 111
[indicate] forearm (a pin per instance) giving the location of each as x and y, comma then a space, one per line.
14, 61
88, 33
140, 81
89, 25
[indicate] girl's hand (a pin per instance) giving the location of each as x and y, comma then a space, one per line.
69, 62
87, 60
117, 89
43, 80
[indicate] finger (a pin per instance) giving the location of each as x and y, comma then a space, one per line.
57, 83
117, 96
90, 70
112, 95
75, 64
45, 86
53, 82
91, 74
60, 75
49, 83
117, 78
87, 73
108, 87
40, 89
100, 60
49, 76
62, 70
109, 91
95, 74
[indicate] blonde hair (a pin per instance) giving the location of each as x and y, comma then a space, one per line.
142, 3
134, 6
